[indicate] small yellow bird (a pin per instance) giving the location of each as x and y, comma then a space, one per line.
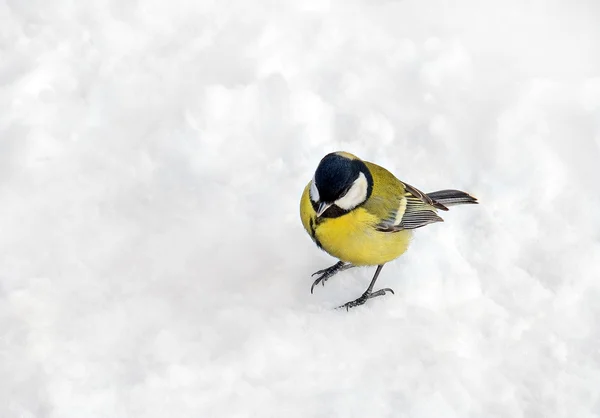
361, 214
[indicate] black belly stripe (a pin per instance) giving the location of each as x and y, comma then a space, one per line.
313, 232
311, 224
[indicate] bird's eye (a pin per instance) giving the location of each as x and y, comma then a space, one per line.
345, 191
355, 194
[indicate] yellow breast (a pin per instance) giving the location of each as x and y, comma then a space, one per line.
352, 237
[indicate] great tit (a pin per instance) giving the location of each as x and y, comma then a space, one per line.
361, 214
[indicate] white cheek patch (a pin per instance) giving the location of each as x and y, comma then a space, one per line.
314, 192
356, 195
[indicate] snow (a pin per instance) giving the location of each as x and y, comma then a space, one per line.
152, 157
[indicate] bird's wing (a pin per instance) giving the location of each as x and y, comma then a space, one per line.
412, 209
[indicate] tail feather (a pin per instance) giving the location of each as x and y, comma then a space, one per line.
452, 197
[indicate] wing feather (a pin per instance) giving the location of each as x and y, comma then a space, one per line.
400, 206
414, 210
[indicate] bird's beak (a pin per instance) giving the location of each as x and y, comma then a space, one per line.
323, 206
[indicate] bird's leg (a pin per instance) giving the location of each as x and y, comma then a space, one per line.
369, 292
325, 274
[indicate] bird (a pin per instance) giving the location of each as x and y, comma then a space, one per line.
361, 214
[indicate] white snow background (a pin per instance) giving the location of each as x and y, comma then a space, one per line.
152, 158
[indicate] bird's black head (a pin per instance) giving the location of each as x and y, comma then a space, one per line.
341, 183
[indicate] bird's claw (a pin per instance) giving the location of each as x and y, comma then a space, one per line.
321, 280
366, 296
319, 272
325, 274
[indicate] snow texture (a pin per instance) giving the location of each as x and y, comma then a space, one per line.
152, 157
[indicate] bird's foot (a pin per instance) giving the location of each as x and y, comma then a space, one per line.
366, 296
325, 274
